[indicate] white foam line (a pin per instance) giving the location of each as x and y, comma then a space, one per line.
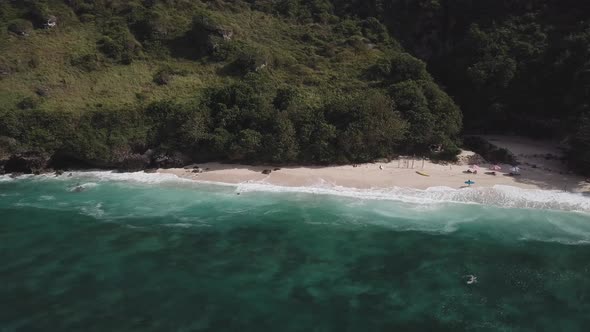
141, 177
498, 195
9, 178
556, 240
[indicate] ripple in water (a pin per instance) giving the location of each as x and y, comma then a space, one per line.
125, 256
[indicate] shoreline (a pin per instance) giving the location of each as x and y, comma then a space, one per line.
380, 176
370, 176
539, 163
496, 195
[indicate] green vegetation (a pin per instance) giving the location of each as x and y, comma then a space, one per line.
116, 83
315, 81
517, 66
489, 151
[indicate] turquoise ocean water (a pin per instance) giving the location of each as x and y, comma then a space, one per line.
152, 253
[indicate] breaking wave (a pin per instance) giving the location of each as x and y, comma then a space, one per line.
498, 195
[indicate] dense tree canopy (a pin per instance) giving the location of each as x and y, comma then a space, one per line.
519, 66
314, 81
339, 89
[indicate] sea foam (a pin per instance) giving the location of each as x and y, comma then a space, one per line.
498, 195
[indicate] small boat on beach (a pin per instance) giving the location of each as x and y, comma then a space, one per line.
422, 173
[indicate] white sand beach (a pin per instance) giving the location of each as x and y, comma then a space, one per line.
536, 172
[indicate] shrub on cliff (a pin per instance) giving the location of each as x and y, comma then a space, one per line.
20, 27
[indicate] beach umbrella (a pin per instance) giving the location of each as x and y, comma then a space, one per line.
515, 169
474, 166
469, 183
495, 168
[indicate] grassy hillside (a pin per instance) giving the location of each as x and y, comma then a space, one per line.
46, 59
211, 80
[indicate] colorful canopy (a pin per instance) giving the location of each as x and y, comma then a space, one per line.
495, 168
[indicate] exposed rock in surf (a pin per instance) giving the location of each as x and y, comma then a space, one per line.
78, 189
267, 171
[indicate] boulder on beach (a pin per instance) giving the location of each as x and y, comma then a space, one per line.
266, 171
470, 158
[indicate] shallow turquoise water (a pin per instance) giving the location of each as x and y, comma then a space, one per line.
175, 256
